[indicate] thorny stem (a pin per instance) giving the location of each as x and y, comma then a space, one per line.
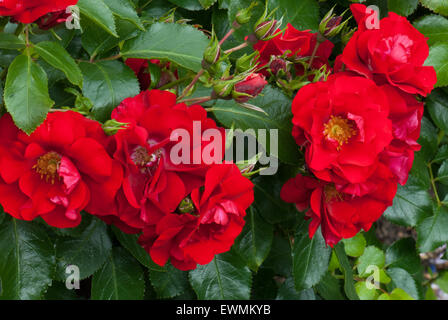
188, 88
172, 84
198, 100
228, 34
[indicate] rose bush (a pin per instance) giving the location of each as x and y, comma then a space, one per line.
220, 149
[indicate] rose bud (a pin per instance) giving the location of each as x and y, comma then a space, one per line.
213, 51
278, 65
331, 25
249, 88
223, 89
246, 62
244, 15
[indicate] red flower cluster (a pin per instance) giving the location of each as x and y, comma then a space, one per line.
187, 211
28, 11
298, 46
360, 128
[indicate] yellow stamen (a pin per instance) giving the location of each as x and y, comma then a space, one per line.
339, 129
48, 165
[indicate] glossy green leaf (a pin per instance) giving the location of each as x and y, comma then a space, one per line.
329, 288
10, 41
98, 12
402, 7
255, 241
225, 278
192, 5
364, 292
169, 282
372, 256
181, 44
26, 93
403, 280
310, 260
403, 254
88, 252
428, 140
58, 57
120, 278
107, 84
354, 247
124, 10
27, 260
434, 27
437, 105
438, 6
130, 242
438, 58
287, 291
346, 268
442, 281
432, 232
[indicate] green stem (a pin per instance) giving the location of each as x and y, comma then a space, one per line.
173, 84
241, 46
433, 184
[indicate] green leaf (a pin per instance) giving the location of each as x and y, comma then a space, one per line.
346, 269
428, 140
411, 205
438, 6
192, 5
354, 247
11, 42
26, 93
255, 241
279, 258
120, 278
403, 254
287, 291
403, 280
59, 291
181, 44
278, 117
442, 281
434, 27
432, 232
170, 282
442, 174
206, 4
399, 294
310, 259
58, 57
437, 105
107, 84
372, 256
302, 14
225, 278
329, 288
124, 10
27, 260
130, 242
365, 293
98, 12
442, 154
438, 58
402, 7
88, 252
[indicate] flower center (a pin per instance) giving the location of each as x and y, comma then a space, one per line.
186, 206
47, 166
339, 129
142, 158
331, 193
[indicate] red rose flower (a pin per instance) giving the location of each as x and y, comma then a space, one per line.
205, 224
28, 11
339, 215
295, 44
344, 125
153, 184
52, 19
55, 172
249, 88
394, 53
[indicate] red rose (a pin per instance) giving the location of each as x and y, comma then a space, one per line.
344, 125
249, 88
142, 71
28, 11
394, 53
153, 184
295, 44
55, 172
205, 224
52, 19
339, 215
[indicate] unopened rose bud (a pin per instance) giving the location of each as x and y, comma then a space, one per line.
331, 24
213, 51
249, 88
267, 30
246, 62
223, 89
278, 65
111, 127
244, 15
347, 34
